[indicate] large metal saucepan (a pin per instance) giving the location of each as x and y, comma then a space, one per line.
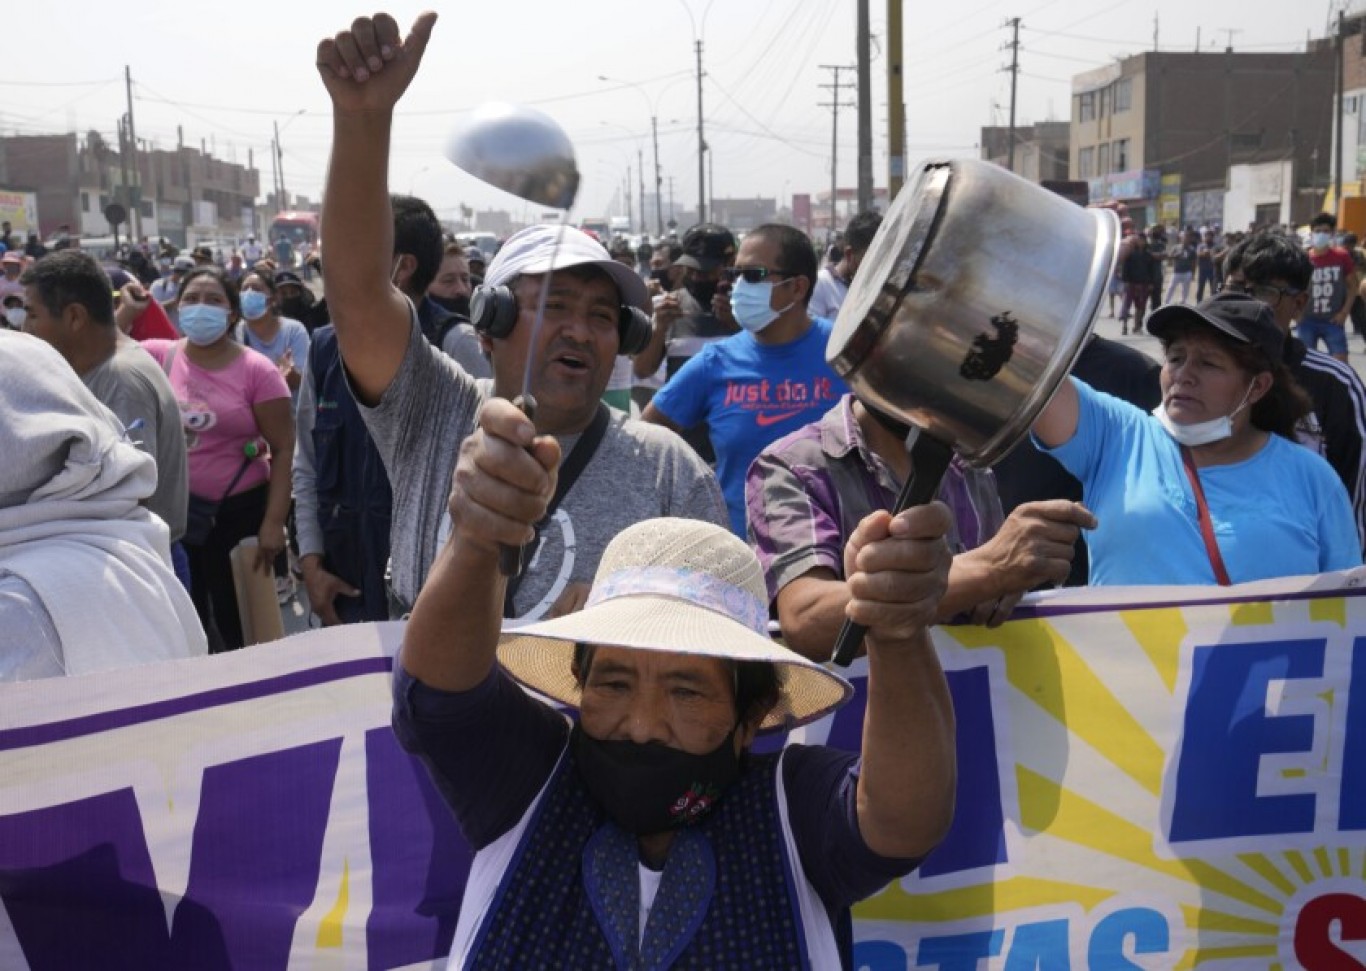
970, 307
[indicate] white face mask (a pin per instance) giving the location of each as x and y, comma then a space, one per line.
16, 317
1200, 432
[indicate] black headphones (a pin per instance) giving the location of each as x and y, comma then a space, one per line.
493, 311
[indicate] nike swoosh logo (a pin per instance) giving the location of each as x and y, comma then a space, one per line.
763, 420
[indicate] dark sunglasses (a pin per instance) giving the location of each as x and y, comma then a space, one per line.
754, 274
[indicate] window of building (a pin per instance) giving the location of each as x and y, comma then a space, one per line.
1120, 155
1104, 102
1103, 159
1124, 94
1245, 141
85, 202
1086, 163
145, 207
1087, 107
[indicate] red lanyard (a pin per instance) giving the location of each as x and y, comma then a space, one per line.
1206, 526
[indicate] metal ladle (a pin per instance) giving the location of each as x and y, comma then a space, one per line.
526, 153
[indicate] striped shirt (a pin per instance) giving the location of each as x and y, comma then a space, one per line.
806, 493
1336, 428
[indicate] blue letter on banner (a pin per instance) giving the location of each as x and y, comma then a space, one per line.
1227, 731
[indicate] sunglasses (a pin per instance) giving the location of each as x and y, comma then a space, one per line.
754, 274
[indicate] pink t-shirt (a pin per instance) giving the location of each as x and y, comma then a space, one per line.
216, 411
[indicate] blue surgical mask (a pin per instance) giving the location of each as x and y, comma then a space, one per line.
751, 303
1321, 240
203, 323
254, 304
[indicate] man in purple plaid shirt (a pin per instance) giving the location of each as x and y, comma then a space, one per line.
806, 493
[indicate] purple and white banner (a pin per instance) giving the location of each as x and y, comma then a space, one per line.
1156, 778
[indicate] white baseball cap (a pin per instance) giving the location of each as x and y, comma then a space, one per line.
529, 252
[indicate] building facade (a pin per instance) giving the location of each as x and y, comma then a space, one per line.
181, 193
1162, 131
1041, 149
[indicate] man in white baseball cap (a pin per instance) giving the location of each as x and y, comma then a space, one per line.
420, 406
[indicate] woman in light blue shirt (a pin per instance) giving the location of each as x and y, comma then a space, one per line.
1226, 422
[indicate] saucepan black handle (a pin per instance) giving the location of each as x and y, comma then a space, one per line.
510, 557
930, 459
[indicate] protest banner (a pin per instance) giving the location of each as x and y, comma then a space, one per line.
1148, 778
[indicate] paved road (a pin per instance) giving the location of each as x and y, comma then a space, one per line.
1109, 327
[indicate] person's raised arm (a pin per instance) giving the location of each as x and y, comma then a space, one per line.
1057, 423
365, 69
503, 482
898, 569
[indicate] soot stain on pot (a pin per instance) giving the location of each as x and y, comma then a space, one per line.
991, 352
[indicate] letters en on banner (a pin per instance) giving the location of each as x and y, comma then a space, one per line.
1150, 778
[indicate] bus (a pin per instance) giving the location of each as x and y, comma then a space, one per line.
297, 227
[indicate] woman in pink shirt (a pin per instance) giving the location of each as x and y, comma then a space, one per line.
231, 400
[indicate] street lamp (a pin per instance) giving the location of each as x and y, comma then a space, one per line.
652, 106
640, 172
701, 139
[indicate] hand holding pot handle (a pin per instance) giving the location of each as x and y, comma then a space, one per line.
930, 459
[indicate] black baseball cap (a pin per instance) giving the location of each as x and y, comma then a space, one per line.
1240, 317
706, 247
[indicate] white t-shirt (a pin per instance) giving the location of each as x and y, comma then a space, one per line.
828, 296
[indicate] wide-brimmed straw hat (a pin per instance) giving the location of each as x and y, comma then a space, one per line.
678, 586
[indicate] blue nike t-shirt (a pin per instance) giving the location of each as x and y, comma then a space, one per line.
750, 395
1282, 512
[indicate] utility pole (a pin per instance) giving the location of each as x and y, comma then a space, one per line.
640, 177
630, 206
834, 104
1014, 45
865, 109
701, 143
671, 198
275, 174
251, 165
135, 224
659, 180
896, 112
1338, 45
281, 201
1154, 31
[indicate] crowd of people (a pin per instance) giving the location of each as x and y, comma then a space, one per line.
644, 476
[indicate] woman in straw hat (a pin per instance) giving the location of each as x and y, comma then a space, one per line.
647, 834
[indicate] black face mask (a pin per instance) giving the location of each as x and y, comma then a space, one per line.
702, 291
456, 305
294, 307
647, 787
661, 276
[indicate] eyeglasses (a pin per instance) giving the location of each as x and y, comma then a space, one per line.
754, 274
1261, 291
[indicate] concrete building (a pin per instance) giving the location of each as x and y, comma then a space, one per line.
1351, 144
1041, 149
1161, 132
177, 193
742, 215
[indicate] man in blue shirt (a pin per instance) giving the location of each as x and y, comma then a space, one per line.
770, 379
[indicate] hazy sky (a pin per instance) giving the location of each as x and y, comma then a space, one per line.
225, 77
